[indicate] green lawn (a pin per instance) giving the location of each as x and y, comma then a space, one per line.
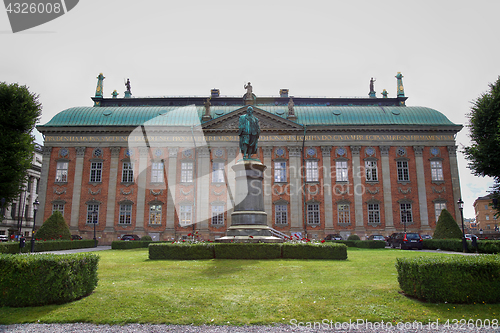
134, 289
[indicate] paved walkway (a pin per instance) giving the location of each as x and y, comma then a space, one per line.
88, 249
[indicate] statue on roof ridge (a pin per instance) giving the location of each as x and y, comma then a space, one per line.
249, 89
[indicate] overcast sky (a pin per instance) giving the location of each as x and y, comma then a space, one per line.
447, 51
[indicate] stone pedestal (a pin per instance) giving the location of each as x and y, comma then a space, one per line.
249, 219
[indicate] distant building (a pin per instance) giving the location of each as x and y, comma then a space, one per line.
18, 216
486, 219
161, 166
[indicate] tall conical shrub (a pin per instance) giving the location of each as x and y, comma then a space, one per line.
447, 227
54, 228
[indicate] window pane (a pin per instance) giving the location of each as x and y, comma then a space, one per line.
313, 213
157, 172
437, 170
371, 170
62, 172
341, 171
280, 172
218, 215
218, 172
280, 214
187, 172
125, 214
185, 214
128, 172
155, 214
343, 213
373, 213
403, 174
311, 171
92, 213
95, 171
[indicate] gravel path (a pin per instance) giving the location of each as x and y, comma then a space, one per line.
147, 328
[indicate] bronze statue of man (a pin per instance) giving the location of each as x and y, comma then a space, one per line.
249, 131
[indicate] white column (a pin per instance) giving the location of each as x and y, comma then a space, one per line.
327, 189
296, 200
171, 181
141, 188
266, 185
455, 180
422, 194
43, 186
77, 187
231, 186
386, 185
358, 192
113, 178
203, 188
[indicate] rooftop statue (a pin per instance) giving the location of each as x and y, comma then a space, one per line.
372, 88
249, 89
127, 84
249, 131
207, 107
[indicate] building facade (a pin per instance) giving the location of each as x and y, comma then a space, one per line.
162, 166
486, 219
18, 216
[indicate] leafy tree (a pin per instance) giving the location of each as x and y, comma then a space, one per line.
54, 228
447, 227
484, 153
19, 112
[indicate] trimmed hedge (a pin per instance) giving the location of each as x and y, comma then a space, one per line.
314, 251
248, 250
180, 251
189, 251
43, 246
370, 244
484, 246
437, 279
41, 279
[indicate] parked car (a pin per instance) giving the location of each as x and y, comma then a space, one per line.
426, 237
376, 237
470, 237
130, 237
76, 237
333, 237
406, 240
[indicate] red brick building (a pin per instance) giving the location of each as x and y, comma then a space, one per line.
162, 166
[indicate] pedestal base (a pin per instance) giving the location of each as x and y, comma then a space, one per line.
249, 234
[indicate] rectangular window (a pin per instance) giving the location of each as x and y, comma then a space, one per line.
344, 214
438, 207
128, 172
371, 171
280, 172
125, 214
185, 214
155, 214
280, 214
313, 213
341, 171
157, 172
218, 172
58, 207
186, 172
61, 172
218, 215
373, 213
437, 170
487, 217
96, 172
403, 174
406, 214
312, 171
92, 214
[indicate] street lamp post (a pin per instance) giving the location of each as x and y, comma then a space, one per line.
461, 208
94, 220
35, 208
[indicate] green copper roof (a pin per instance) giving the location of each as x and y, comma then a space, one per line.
191, 115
